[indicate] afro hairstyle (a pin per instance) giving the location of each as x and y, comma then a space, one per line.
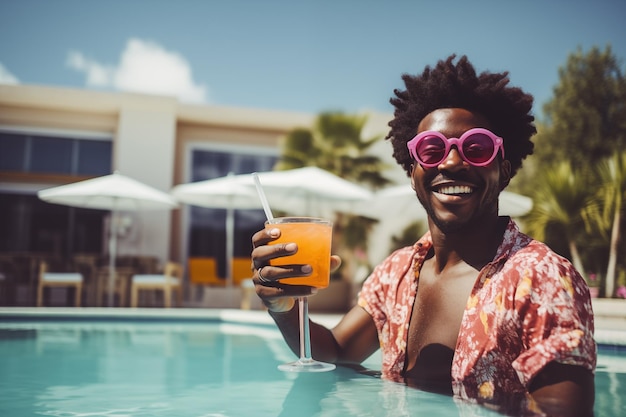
450, 85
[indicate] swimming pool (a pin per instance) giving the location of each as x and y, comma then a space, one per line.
211, 363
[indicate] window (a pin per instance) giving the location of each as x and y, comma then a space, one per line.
207, 234
48, 154
94, 157
28, 224
51, 155
12, 152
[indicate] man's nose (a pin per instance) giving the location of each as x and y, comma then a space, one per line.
453, 160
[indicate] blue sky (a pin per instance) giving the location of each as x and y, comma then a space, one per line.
306, 56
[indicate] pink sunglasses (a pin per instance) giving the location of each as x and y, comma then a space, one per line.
477, 147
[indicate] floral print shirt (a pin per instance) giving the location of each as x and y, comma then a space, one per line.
528, 307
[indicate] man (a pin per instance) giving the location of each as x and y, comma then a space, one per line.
475, 308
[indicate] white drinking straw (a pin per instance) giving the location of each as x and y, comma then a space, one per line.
259, 189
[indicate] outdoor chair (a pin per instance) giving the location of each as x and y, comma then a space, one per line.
121, 277
242, 277
87, 265
203, 271
170, 281
48, 279
241, 270
9, 274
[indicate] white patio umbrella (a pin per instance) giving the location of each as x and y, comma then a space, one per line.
308, 191
311, 191
228, 192
114, 192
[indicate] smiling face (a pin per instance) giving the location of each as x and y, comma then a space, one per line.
455, 194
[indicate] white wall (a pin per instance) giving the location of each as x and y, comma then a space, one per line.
144, 150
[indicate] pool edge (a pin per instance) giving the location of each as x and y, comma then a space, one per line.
604, 336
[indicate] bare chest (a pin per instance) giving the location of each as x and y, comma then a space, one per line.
438, 309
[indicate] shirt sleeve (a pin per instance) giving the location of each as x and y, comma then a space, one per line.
554, 303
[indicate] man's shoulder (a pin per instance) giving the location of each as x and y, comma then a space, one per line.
394, 267
402, 255
419, 248
537, 257
518, 243
537, 250
518, 247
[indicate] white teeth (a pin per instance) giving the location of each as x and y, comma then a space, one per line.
457, 189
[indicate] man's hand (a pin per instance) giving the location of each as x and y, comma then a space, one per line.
277, 297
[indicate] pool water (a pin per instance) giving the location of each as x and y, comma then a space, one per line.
148, 368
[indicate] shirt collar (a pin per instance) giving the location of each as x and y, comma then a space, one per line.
512, 240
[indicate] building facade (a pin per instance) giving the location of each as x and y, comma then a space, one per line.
54, 136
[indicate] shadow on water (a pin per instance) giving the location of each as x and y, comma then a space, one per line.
307, 393
360, 392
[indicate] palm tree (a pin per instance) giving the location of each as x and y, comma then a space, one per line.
560, 202
334, 144
612, 193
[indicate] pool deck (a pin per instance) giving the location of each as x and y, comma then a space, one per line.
610, 316
610, 321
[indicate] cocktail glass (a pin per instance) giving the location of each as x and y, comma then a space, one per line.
313, 237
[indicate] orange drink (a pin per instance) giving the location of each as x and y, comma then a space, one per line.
313, 237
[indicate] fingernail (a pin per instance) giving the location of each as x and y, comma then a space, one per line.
291, 247
274, 232
306, 269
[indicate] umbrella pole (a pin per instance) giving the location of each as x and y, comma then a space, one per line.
230, 227
112, 251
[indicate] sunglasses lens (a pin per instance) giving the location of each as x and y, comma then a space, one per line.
478, 148
431, 150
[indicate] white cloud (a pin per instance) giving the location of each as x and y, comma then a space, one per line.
98, 75
144, 67
6, 77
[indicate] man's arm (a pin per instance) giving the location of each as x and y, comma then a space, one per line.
351, 341
564, 390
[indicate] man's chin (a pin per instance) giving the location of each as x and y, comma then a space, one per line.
448, 222
450, 226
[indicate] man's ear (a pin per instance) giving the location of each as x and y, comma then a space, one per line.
412, 180
505, 174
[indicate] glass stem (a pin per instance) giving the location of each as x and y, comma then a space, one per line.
305, 337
